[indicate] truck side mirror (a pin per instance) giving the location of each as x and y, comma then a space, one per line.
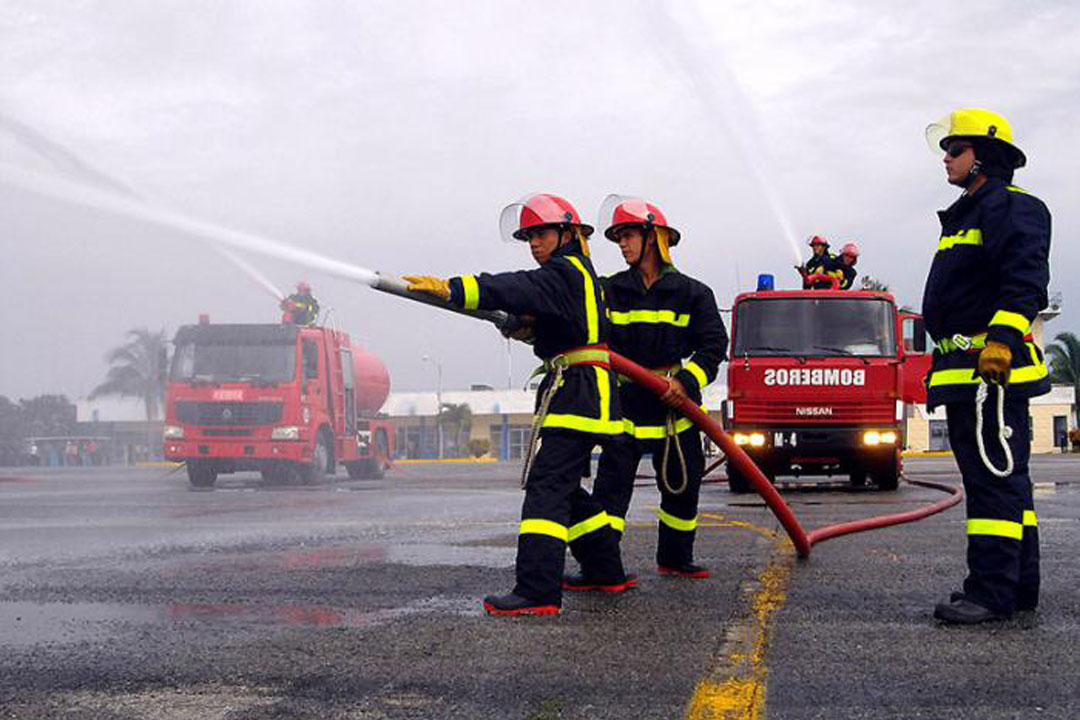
918, 339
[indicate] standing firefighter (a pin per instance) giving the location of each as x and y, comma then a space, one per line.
986, 285
669, 323
843, 268
576, 406
301, 307
820, 263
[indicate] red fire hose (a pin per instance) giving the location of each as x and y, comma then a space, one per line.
802, 540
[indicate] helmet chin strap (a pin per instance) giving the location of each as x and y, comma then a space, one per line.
644, 244
973, 173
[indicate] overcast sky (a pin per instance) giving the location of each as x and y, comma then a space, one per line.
391, 134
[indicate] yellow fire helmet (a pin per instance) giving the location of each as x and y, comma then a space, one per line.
974, 123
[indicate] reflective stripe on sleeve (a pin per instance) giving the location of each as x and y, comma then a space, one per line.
677, 523
995, 528
617, 522
655, 432
1011, 319
1029, 519
596, 522
964, 237
472, 292
592, 315
698, 373
653, 317
544, 527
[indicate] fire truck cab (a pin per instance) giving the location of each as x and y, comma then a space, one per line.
818, 381
290, 402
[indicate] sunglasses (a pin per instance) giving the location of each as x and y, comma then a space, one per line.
957, 149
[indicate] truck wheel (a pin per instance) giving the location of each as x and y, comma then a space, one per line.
737, 482
201, 475
887, 476
858, 478
322, 462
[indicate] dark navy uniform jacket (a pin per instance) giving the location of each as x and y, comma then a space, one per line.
990, 276
675, 322
820, 266
564, 296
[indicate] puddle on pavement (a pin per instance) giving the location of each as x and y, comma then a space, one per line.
473, 555
27, 623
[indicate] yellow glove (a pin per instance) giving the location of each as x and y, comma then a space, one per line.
428, 284
995, 361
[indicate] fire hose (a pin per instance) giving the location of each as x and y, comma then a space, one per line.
736, 456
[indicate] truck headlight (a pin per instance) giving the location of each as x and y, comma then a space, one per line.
305, 415
285, 432
742, 439
888, 438
753, 439
173, 432
873, 438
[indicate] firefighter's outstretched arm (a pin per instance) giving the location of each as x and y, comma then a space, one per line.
710, 339
524, 292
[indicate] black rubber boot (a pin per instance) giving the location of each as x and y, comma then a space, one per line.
512, 604
1022, 605
579, 582
965, 612
686, 570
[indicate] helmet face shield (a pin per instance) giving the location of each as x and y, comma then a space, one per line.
936, 132
535, 211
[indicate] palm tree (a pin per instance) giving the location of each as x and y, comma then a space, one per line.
869, 282
138, 370
458, 419
1064, 355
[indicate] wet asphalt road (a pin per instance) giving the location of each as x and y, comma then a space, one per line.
123, 594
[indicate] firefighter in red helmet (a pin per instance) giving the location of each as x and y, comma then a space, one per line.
843, 268
820, 263
577, 403
301, 307
666, 321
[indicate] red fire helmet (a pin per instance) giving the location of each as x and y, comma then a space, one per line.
303, 287
851, 249
539, 210
619, 210
817, 240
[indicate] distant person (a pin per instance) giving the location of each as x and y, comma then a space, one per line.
843, 268
986, 285
820, 263
301, 307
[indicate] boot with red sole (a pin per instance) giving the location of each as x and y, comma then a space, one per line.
686, 570
512, 604
579, 582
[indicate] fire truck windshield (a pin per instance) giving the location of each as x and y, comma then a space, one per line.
269, 363
815, 327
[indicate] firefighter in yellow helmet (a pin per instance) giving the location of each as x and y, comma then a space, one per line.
986, 285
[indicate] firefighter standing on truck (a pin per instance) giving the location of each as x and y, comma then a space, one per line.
301, 307
986, 285
577, 402
668, 322
820, 263
843, 268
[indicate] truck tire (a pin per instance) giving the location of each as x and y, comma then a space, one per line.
858, 477
322, 462
201, 475
887, 475
737, 482
367, 469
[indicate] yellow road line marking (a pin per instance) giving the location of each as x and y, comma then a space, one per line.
735, 686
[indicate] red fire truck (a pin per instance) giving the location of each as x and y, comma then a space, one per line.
290, 402
818, 383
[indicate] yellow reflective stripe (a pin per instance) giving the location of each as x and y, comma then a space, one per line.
472, 292
603, 386
968, 376
964, 237
997, 528
596, 522
592, 316
617, 522
583, 424
655, 432
1013, 188
698, 373
1029, 519
544, 527
1011, 319
676, 523
668, 317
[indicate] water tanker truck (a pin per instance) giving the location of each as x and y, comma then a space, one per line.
291, 402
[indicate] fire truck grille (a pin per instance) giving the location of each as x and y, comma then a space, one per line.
835, 411
228, 413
